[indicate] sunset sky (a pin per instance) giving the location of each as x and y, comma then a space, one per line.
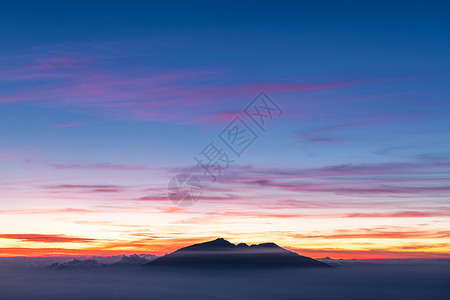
102, 104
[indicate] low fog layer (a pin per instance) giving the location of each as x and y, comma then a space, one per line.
22, 278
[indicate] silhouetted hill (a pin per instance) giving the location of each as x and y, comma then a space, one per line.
222, 254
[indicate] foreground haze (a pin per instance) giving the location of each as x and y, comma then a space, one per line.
375, 279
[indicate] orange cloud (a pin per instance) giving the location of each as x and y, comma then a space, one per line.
45, 238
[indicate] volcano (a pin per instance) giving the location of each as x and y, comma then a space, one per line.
222, 254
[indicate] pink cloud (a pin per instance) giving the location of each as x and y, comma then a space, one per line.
402, 214
215, 118
48, 211
135, 93
282, 87
56, 62
68, 124
100, 166
83, 186
295, 215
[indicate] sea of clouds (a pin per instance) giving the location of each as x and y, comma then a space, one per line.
123, 277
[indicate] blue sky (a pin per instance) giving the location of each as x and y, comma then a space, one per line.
110, 100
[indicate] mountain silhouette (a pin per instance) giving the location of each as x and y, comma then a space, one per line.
220, 253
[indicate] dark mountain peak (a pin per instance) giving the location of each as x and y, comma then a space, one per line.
220, 254
266, 245
220, 241
217, 244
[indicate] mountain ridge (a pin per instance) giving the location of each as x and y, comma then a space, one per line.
220, 253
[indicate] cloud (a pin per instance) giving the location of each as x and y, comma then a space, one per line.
98, 85
46, 252
394, 178
163, 197
268, 213
57, 62
68, 124
250, 174
48, 211
372, 233
83, 186
402, 214
215, 118
100, 166
46, 238
88, 188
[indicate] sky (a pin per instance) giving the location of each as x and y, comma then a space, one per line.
102, 104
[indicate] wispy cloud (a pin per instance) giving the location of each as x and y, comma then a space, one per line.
215, 118
46, 238
100, 166
265, 214
56, 211
371, 233
68, 124
134, 92
83, 186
